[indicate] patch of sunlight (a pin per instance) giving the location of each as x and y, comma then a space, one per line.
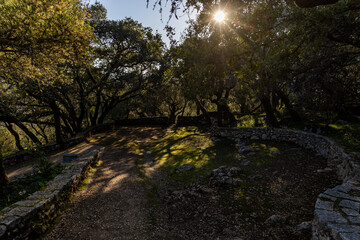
177, 151
163, 159
274, 149
115, 182
336, 126
239, 194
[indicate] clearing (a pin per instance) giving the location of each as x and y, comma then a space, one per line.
138, 192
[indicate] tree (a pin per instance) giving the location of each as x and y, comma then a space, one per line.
36, 36
126, 57
3, 177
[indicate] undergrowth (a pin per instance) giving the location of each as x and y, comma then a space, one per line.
19, 189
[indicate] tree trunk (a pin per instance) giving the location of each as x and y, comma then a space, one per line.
219, 114
203, 110
293, 114
3, 176
228, 115
14, 120
270, 116
57, 123
16, 136
172, 115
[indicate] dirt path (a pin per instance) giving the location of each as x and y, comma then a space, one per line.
131, 196
114, 204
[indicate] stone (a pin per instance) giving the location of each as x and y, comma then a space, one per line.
27, 203
275, 220
339, 194
245, 162
245, 149
69, 157
324, 216
350, 236
344, 228
254, 137
2, 230
350, 212
325, 170
354, 220
11, 221
225, 174
23, 212
350, 204
273, 152
327, 197
185, 167
215, 139
304, 226
320, 204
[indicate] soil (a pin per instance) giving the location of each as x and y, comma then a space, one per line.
130, 196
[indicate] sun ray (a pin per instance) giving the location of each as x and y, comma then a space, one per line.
219, 16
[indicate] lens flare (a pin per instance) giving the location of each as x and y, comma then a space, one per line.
219, 16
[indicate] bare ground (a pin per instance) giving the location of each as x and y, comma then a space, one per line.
114, 205
128, 200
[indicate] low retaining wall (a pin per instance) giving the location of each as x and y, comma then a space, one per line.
150, 121
31, 217
337, 210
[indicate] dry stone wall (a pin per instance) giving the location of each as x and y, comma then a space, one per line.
337, 210
31, 217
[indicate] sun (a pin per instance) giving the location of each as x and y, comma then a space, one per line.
219, 16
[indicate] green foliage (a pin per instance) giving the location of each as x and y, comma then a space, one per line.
39, 35
44, 165
23, 187
189, 146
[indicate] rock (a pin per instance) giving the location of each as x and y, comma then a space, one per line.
255, 177
350, 204
225, 174
245, 162
275, 220
245, 149
2, 230
215, 139
304, 226
325, 170
254, 138
185, 167
273, 152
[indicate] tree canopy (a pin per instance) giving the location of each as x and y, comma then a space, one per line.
64, 67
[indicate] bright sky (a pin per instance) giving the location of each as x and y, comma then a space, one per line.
137, 10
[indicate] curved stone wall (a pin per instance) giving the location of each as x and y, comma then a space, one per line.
337, 210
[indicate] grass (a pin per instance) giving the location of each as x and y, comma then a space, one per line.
188, 145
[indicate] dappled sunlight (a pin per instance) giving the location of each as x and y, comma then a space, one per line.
115, 182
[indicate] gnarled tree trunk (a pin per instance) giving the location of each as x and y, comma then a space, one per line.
16, 136
3, 177
270, 115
